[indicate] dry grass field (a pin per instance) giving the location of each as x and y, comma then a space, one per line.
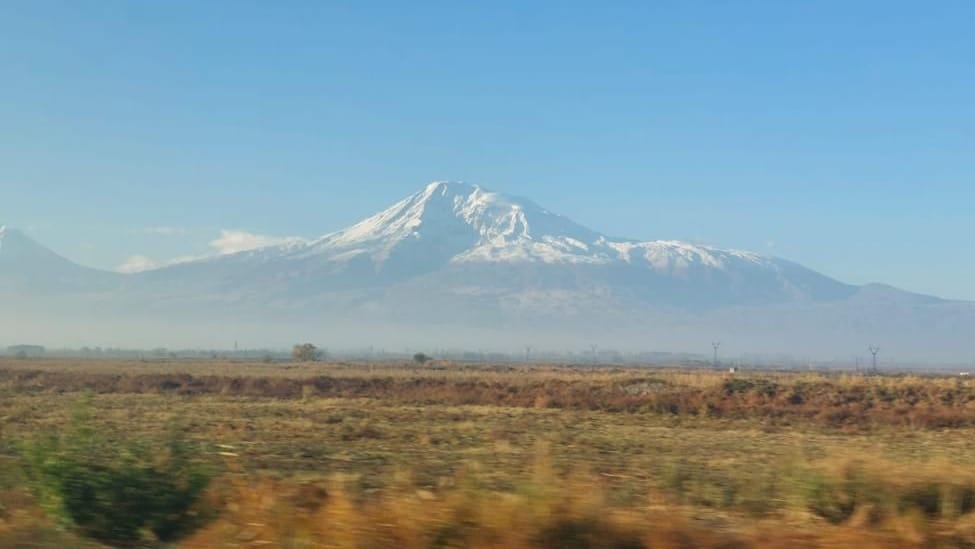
458, 455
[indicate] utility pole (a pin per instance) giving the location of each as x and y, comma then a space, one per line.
715, 344
594, 355
873, 351
528, 353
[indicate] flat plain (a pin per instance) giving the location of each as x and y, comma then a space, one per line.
524, 455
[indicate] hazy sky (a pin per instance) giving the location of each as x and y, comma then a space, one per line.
837, 134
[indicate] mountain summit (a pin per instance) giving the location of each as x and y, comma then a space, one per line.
454, 221
28, 266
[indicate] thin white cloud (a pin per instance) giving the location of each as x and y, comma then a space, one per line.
231, 242
184, 259
137, 264
165, 231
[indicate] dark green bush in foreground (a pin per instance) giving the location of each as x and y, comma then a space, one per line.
121, 493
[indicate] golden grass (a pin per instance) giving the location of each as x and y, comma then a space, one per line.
352, 455
550, 510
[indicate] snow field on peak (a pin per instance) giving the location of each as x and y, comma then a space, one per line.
460, 223
454, 222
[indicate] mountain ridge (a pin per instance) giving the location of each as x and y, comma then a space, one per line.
49, 271
459, 262
448, 225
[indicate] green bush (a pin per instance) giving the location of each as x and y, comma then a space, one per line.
837, 497
120, 493
586, 534
738, 386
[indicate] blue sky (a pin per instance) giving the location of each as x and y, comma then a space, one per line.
837, 134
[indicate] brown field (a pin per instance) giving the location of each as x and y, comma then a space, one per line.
450, 455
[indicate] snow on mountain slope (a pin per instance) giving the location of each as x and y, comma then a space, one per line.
466, 223
454, 218
457, 222
455, 236
455, 239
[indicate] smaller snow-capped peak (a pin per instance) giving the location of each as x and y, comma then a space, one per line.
11, 238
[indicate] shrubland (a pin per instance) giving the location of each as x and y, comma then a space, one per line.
449, 455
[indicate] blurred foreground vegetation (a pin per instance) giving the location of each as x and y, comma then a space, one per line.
348, 455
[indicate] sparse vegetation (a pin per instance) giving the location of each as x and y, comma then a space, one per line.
347, 455
836, 401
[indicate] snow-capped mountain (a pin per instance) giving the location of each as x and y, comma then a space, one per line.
456, 264
457, 222
462, 234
